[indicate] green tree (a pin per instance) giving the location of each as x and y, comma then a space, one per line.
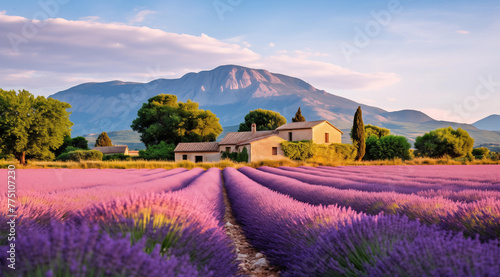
298, 117
358, 134
80, 143
103, 140
376, 130
162, 118
265, 120
161, 151
30, 127
67, 141
444, 141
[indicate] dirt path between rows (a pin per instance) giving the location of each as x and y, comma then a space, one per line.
252, 262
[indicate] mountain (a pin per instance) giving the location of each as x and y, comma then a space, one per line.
231, 91
490, 123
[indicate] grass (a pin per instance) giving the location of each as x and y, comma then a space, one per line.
227, 163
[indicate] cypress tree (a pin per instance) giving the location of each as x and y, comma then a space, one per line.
298, 117
103, 140
358, 134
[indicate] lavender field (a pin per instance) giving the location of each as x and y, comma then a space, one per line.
323, 221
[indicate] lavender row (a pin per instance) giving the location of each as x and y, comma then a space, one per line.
178, 233
479, 173
368, 202
477, 218
305, 242
347, 182
449, 185
58, 204
279, 226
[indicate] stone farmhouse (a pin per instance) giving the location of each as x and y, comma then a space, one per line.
261, 145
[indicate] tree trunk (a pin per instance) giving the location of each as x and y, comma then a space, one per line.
21, 157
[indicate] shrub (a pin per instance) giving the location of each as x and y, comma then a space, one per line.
304, 150
299, 151
481, 152
334, 152
117, 157
63, 157
85, 155
161, 151
243, 155
387, 148
233, 156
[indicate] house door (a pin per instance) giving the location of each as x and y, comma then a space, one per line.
198, 159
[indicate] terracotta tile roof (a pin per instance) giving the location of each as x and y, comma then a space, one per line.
237, 137
112, 149
197, 147
304, 125
256, 139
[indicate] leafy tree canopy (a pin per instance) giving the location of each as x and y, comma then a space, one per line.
103, 140
265, 120
30, 127
161, 151
298, 117
387, 148
444, 141
77, 143
162, 118
376, 130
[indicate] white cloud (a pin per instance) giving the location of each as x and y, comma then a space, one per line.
246, 44
442, 114
66, 53
462, 32
91, 18
271, 44
392, 99
140, 16
326, 75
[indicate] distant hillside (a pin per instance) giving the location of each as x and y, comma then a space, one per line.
490, 123
410, 116
230, 92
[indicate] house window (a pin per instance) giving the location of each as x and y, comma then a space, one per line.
198, 159
327, 138
290, 137
184, 157
228, 149
275, 151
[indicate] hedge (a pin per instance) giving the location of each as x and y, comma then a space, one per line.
306, 150
85, 155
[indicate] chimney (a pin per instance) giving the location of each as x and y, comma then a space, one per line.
254, 127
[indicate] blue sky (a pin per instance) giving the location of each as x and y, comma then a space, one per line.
440, 57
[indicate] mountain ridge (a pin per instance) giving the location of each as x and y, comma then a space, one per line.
231, 91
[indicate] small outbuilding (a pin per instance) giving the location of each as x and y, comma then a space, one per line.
197, 152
